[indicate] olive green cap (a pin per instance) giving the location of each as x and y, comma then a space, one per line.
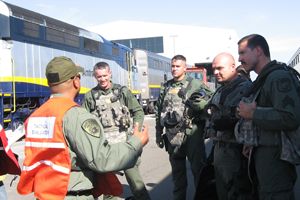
61, 69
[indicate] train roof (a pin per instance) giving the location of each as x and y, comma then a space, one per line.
34, 17
154, 54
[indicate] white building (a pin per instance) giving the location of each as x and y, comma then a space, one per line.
197, 44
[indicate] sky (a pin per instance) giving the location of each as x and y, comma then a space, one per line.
275, 20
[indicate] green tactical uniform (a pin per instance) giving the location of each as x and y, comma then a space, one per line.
97, 102
183, 129
98, 156
278, 108
230, 165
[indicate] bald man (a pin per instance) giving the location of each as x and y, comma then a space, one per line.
229, 163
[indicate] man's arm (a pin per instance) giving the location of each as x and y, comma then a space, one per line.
88, 102
85, 137
158, 127
281, 92
134, 107
198, 96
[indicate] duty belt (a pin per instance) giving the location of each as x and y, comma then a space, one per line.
228, 144
80, 193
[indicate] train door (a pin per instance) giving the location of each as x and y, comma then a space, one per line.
141, 63
133, 83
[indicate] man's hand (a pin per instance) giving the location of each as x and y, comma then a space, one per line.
247, 150
246, 110
143, 135
159, 140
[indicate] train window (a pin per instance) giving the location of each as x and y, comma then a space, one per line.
115, 51
55, 35
156, 64
151, 63
153, 44
61, 26
62, 37
168, 67
31, 29
161, 65
199, 76
91, 45
72, 40
26, 15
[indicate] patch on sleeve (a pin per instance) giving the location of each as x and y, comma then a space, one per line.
284, 85
92, 127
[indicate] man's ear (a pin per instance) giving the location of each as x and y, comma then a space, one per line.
76, 83
259, 51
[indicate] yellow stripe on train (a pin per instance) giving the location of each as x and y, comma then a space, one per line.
135, 91
154, 86
37, 81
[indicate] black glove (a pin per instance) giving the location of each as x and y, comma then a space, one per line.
159, 136
197, 95
159, 141
197, 100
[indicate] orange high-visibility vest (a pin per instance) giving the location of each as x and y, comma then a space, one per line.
47, 165
8, 162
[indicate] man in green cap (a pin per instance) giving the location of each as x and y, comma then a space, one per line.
180, 111
114, 105
65, 147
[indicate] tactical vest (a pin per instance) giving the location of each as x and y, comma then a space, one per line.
172, 114
114, 116
246, 131
223, 104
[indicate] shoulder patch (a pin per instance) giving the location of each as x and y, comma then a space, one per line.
92, 127
284, 85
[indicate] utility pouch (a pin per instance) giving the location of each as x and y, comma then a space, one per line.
290, 146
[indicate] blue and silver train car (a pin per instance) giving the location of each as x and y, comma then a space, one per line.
153, 69
29, 40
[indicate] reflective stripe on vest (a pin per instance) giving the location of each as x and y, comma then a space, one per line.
50, 164
58, 145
